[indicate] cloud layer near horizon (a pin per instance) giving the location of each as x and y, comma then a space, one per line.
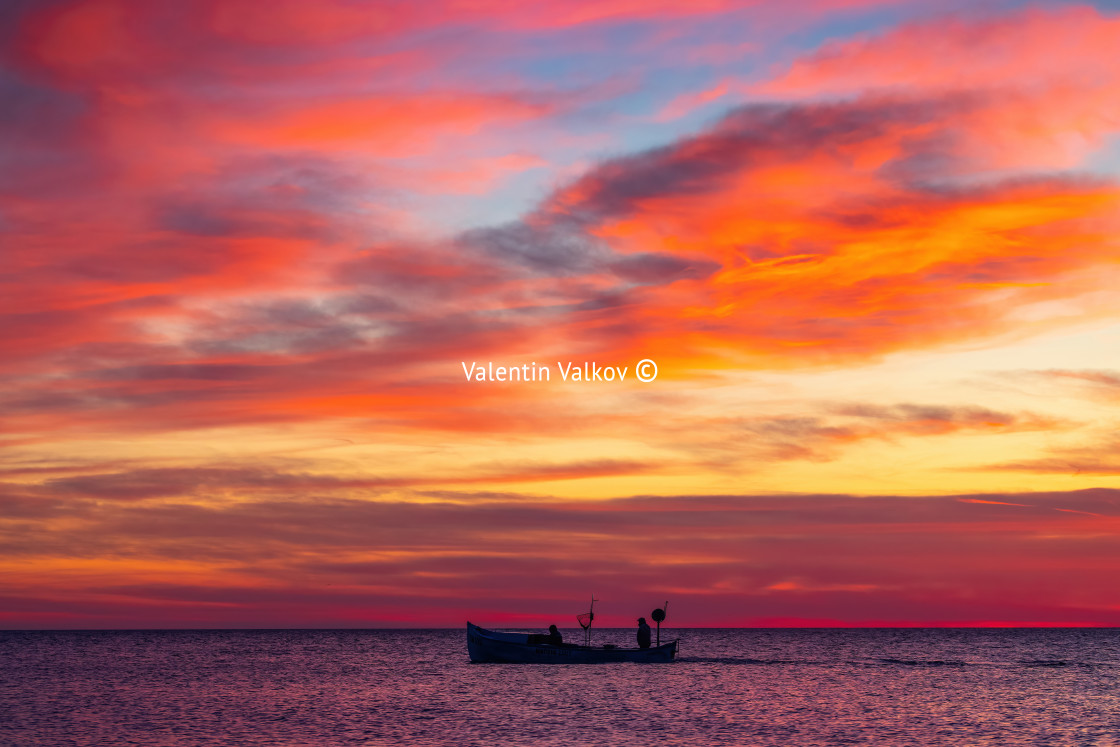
723, 560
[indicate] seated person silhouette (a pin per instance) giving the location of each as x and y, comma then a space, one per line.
643, 633
552, 637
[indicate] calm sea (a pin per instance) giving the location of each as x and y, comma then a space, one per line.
730, 687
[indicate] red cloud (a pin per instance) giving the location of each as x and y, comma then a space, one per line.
1025, 50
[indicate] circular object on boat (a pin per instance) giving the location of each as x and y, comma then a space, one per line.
658, 615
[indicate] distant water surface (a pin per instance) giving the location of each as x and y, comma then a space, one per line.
417, 687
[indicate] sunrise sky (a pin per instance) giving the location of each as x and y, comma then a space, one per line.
247, 248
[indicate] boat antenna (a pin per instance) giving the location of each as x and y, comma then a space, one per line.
585, 621
658, 615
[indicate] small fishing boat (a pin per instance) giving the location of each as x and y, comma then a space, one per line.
526, 648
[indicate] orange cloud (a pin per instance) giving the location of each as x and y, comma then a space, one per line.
846, 230
1098, 457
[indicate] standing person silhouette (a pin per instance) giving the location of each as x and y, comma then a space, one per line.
643, 633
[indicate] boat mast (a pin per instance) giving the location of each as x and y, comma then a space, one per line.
658, 615
585, 621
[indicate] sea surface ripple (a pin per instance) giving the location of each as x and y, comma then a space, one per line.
417, 687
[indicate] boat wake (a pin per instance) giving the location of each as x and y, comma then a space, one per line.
732, 660
888, 661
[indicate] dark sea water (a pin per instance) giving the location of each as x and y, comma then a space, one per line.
730, 687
